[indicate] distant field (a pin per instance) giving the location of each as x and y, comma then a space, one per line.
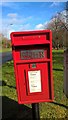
58, 51
5, 49
56, 110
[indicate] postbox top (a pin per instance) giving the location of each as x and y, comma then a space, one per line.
31, 37
30, 32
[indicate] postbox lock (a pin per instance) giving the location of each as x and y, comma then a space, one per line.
34, 65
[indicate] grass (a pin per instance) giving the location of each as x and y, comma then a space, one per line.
55, 110
5, 49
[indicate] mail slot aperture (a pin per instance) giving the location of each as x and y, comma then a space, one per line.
32, 54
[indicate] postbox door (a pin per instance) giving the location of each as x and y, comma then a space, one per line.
33, 80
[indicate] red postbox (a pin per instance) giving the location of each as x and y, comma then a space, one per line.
32, 55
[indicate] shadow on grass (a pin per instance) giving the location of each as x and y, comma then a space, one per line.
60, 105
12, 110
5, 84
57, 69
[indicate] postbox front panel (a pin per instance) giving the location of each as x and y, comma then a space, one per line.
32, 54
33, 82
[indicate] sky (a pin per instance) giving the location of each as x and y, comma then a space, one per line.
21, 16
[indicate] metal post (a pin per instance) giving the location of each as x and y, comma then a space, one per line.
35, 111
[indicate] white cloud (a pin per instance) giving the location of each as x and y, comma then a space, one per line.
54, 4
12, 15
39, 26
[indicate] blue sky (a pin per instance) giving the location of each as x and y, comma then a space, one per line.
20, 16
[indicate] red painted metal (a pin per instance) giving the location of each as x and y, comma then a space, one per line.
32, 52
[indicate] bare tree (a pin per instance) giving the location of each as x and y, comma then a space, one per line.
63, 17
59, 27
